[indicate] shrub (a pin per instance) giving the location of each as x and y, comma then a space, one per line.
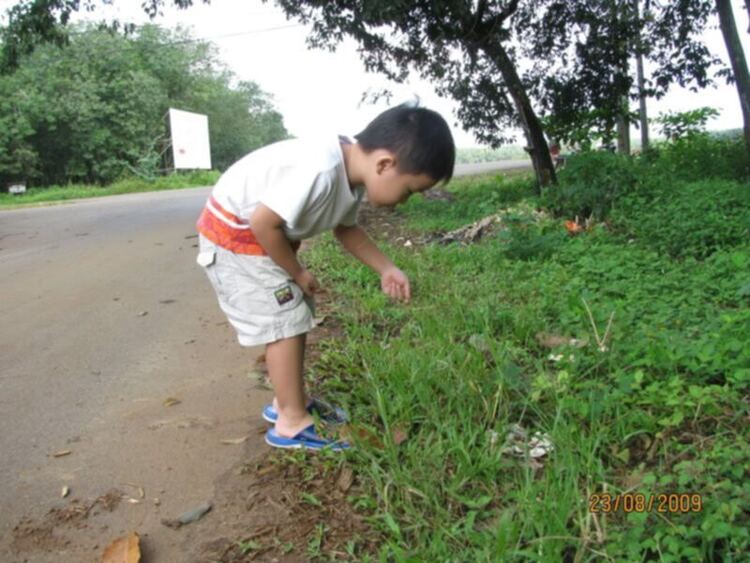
688, 218
695, 158
590, 184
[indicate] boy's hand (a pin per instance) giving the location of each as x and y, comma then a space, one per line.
307, 282
395, 283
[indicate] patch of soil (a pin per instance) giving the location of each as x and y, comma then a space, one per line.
30, 535
295, 512
384, 224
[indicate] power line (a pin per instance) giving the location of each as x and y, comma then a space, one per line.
238, 34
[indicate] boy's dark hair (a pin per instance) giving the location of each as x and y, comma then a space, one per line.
419, 137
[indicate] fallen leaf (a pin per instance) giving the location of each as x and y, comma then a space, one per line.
65, 491
345, 480
349, 432
171, 401
123, 550
143, 313
234, 441
62, 453
551, 340
399, 435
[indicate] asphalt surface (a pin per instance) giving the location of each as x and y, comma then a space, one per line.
105, 317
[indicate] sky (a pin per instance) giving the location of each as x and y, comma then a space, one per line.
320, 91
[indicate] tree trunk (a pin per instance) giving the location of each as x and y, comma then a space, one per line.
642, 113
532, 127
623, 106
623, 130
737, 58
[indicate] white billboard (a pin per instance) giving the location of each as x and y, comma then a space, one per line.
190, 146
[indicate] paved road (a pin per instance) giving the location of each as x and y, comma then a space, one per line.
104, 316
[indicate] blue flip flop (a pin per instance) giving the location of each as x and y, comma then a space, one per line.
307, 439
327, 412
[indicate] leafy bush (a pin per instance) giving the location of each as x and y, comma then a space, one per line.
688, 219
694, 158
675, 125
590, 184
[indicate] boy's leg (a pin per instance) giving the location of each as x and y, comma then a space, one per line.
285, 364
308, 400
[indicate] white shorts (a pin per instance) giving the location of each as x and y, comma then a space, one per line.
261, 301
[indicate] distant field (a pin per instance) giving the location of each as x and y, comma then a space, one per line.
482, 154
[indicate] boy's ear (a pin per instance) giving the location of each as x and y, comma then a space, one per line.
384, 161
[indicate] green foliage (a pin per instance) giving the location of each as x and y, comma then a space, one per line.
699, 156
94, 109
676, 125
590, 184
475, 197
660, 409
124, 185
689, 218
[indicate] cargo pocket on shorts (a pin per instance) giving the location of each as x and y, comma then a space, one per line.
222, 281
284, 297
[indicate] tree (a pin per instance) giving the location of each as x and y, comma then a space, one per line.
464, 47
34, 22
94, 109
739, 64
581, 51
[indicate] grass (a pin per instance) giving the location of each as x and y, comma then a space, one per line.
661, 408
34, 196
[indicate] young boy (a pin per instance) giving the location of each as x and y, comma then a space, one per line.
267, 202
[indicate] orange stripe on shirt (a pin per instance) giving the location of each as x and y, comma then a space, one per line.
237, 240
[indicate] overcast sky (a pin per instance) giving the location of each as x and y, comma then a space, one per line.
316, 90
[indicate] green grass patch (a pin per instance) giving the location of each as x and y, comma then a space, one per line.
124, 186
661, 407
475, 197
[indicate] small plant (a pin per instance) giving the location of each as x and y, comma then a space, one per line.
590, 184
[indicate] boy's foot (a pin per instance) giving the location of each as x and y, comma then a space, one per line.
327, 412
307, 439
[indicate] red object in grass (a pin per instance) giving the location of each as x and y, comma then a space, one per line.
573, 228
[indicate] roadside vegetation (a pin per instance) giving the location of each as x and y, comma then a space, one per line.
34, 196
93, 110
623, 341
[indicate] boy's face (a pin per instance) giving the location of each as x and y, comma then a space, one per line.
388, 186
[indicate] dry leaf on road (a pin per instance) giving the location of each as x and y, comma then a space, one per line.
234, 441
123, 550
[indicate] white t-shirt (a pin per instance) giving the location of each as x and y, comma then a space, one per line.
303, 180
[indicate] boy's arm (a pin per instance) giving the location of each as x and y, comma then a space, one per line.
356, 241
267, 228
392, 280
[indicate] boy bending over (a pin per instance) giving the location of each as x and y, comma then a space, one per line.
267, 202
